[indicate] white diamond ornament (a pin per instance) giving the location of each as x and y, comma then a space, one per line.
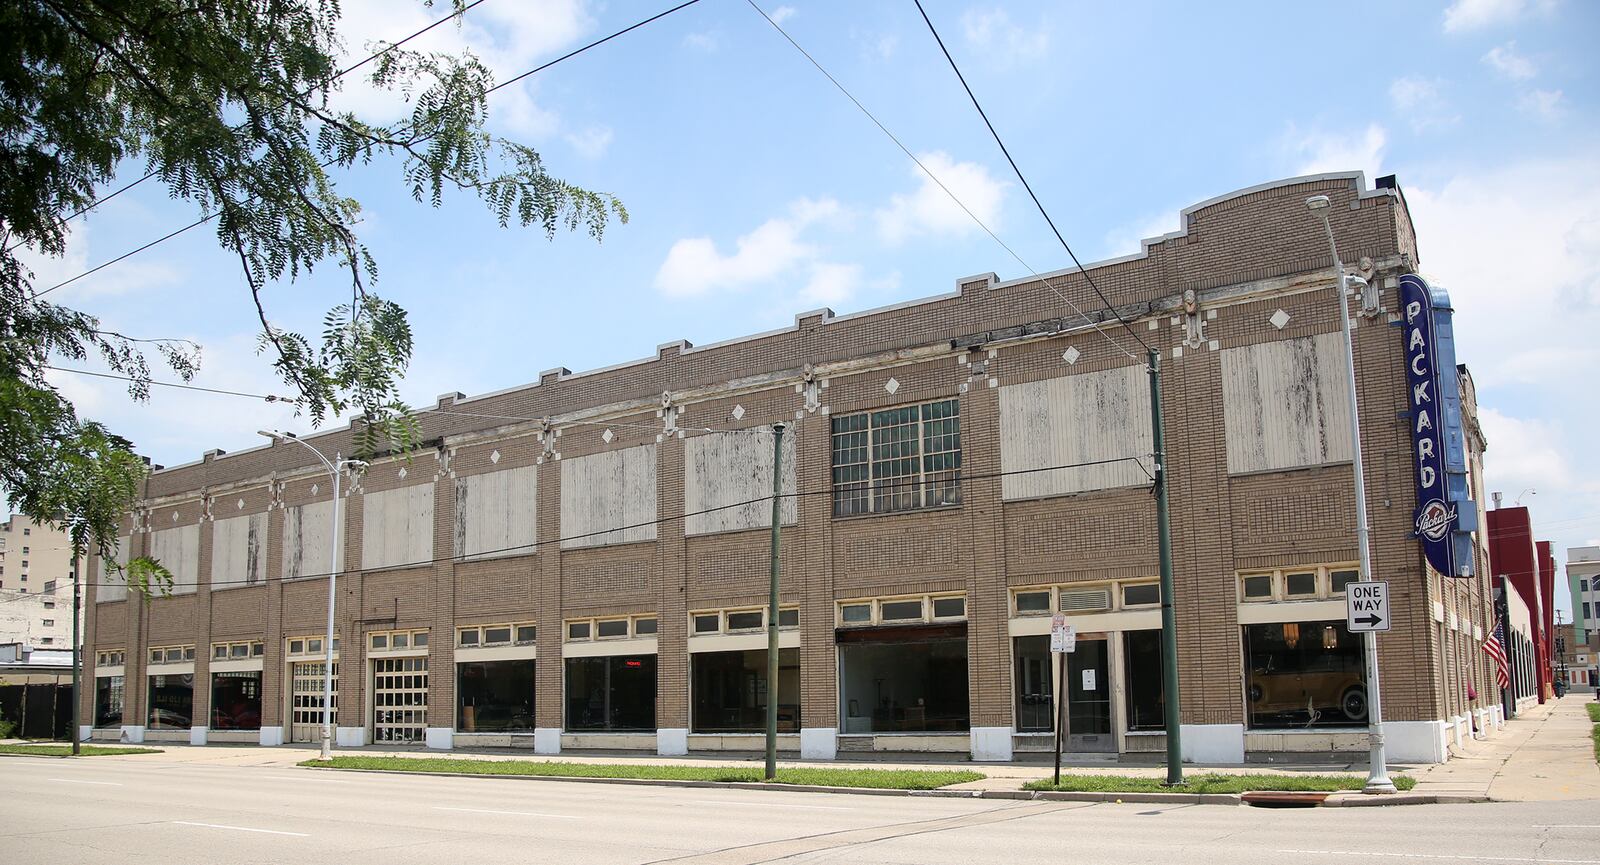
1279, 319
891, 385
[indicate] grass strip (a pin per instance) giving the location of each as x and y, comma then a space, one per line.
66, 750
1594, 715
1212, 783
887, 779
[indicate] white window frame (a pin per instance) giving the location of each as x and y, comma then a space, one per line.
1113, 588
872, 483
411, 647
1280, 583
306, 653
876, 604
481, 631
594, 628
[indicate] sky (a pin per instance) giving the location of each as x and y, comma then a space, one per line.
758, 191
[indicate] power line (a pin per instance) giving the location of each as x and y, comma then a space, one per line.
1137, 460
935, 178
264, 397
340, 74
1024, 179
540, 68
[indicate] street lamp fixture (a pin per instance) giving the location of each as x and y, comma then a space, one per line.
1378, 773
335, 468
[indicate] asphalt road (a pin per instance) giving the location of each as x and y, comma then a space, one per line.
99, 810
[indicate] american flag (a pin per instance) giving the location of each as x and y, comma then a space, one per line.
1496, 649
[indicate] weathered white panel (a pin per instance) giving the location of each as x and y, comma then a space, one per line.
113, 586
496, 513
726, 469
238, 551
306, 536
178, 550
397, 527
601, 493
1072, 420
1286, 404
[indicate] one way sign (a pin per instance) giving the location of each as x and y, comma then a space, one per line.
1366, 606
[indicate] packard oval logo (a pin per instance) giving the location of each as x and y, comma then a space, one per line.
1435, 519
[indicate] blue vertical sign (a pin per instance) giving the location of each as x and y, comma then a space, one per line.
1438, 509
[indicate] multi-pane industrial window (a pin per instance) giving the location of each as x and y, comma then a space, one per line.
897, 459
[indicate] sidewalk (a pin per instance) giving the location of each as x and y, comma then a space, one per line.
1543, 754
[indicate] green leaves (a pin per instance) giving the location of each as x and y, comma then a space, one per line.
226, 104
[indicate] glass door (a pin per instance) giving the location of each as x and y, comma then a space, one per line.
1035, 687
1089, 698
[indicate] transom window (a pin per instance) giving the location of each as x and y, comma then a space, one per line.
903, 610
108, 659
510, 634
397, 641
740, 621
1296, 584
897, 459
1073, 598
307, 647
171, 654
238, 650
610, 628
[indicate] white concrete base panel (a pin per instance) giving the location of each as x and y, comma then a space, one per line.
271, 736
350, 737
132, 735
672, 741
1212, 743
439, 738
991, 744
547, 740
84, 732
819, 743
1416, 741
197, 735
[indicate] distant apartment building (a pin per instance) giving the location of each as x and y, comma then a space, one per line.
1579, 659
1583, 579
582, 562
35, 585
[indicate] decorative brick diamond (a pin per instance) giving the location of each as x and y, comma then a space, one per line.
402, 472
314, 488
891, 385
494, 457
1279, 319
241, 504
174, 516
1071, 355
607, 436
738, 412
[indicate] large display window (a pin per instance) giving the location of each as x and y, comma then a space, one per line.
615, 693
904, 680
1304, 674
236, 700
730, 691
171, 701
495, 696
108, 692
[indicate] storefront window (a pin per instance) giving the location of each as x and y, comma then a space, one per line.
1141, 652
172, 701
1034, 682
495, 696
1304, 674
904, 679
730, 691
615, 693
108, 701
236, 700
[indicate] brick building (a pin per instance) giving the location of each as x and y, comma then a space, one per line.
579, 563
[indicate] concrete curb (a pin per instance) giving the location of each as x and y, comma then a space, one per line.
1335, 800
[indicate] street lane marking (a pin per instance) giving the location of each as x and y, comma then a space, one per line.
1467, 856
1566, 825
761, 804
76, 781
514, 813
239, 828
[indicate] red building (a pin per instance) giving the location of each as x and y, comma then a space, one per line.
1527, 568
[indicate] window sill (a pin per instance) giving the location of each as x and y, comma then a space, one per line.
907, 513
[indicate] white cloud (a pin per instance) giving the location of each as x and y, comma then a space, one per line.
1544, 104
707, 42
1128, 238
1422, 101
591, 143
929, 209
885, 47
831, 284
1465, 15
991, 30
782, 14
1524, 453
124, 278
694, 266
1505, 60
1321, 151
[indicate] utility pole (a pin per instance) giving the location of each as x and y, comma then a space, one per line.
77, 658
1169, 616
772, 607
1377, 772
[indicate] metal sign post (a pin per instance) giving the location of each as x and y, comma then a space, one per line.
1063, 639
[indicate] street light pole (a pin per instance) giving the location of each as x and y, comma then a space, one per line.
1378, 774
335, 468
77, 659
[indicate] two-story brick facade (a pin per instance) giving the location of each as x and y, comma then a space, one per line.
582, 562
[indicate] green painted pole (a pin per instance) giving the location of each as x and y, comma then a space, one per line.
1169, 618
772, 608
77, 657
